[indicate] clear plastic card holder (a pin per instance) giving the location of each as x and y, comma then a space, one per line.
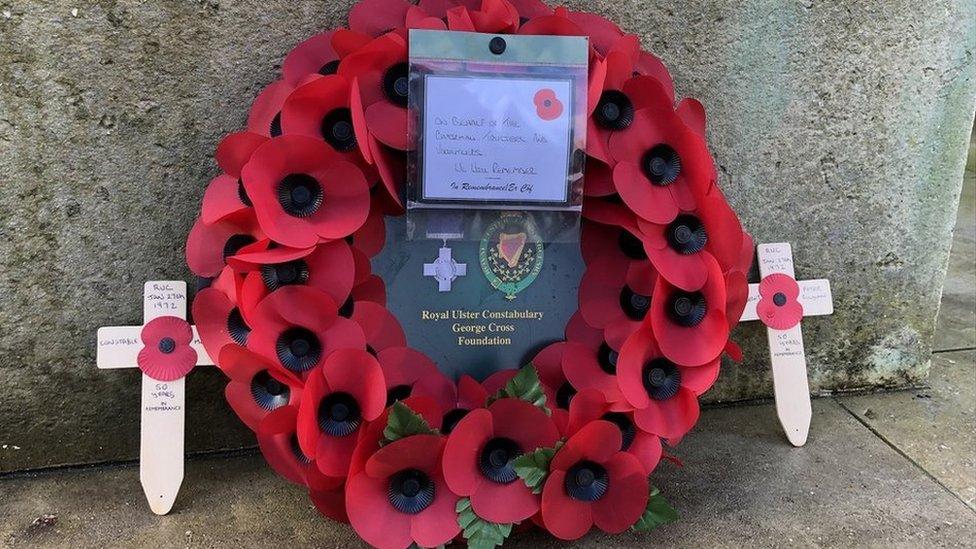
497, 124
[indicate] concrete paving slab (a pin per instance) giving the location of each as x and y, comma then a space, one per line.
935, 427
742, 485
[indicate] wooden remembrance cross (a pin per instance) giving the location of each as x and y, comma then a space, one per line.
790, 385
163, 403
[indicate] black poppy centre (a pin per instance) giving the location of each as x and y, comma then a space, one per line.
615, 111
661, 379
627, 429
686, 234
300, 195
631, 246
564, 395
396, 84
451, 419
339, 415
496, 460
268, 392
586, 481
607, 358
410, 491
167, 345
662, 165
687, 308
397, 392
298, 349
235, 243
634, 305
284, 274
337, 130
237, 329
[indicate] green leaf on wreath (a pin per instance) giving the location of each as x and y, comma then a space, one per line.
533, 467
524, 385
404, 422
480, 533
658, 512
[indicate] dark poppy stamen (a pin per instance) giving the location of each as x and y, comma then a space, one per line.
564, 395
284, 274
268, 392
298, 349
451, 419
661, 379
235, 243
687, 308
347, 308
410, 491
399, 392
615, 111
779, 299
631, 246
586, 481
299, 194
633, 304
626, 426
496, 460
686, 234
396, 84
332, 67
242, 193
296, 449
275, 129
237, 329
339, 415
167, 345
337, 129
607, 358
662, 165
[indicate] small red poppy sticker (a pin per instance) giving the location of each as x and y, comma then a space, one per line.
547, 105
166, 354
779, 306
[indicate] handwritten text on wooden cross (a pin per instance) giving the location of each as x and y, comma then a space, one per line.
790, 385
163, 403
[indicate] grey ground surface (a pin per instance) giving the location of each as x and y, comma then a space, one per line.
839, 126
880, 470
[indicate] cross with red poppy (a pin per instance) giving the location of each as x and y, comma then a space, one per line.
780, 302
165, 348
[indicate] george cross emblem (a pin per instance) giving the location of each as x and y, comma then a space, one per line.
445, 269
780, 302
163, 402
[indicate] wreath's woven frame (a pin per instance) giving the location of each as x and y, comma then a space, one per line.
293, 315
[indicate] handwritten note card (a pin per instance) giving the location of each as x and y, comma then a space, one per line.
495, 139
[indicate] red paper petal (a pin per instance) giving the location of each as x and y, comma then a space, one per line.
267, 106
596, 442
564, 517
626, 496
437, 524
274, 436
652, 202
309, 57
375, 17
372, 516
462, 451
388, 123
235, 150
221, 199
582, 370
524, 423
381, 328
670, 418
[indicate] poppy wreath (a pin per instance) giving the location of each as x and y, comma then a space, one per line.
319, 368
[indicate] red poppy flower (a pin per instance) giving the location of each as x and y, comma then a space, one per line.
371, 237
320, 109
265, 116
779, 304
591, 482
409, 372
338, 398
376, 17
677, 249
279, 446
664, 394
615, 300
602, 32
218, 320
297, 326
166, 354
547, 105
401, 497
328, 267
209, 245
691, 327
478, 458
494, 383
225, 195
381, 70
557, 24
304, 193
372, 435
257, 386
578, 330
659, 160
590, 405
549, 365
595, 367
381, 328
313, 56
470, 395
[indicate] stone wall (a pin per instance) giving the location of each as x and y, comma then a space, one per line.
840, 126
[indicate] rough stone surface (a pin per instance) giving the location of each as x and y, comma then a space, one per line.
840, 126
742, 485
